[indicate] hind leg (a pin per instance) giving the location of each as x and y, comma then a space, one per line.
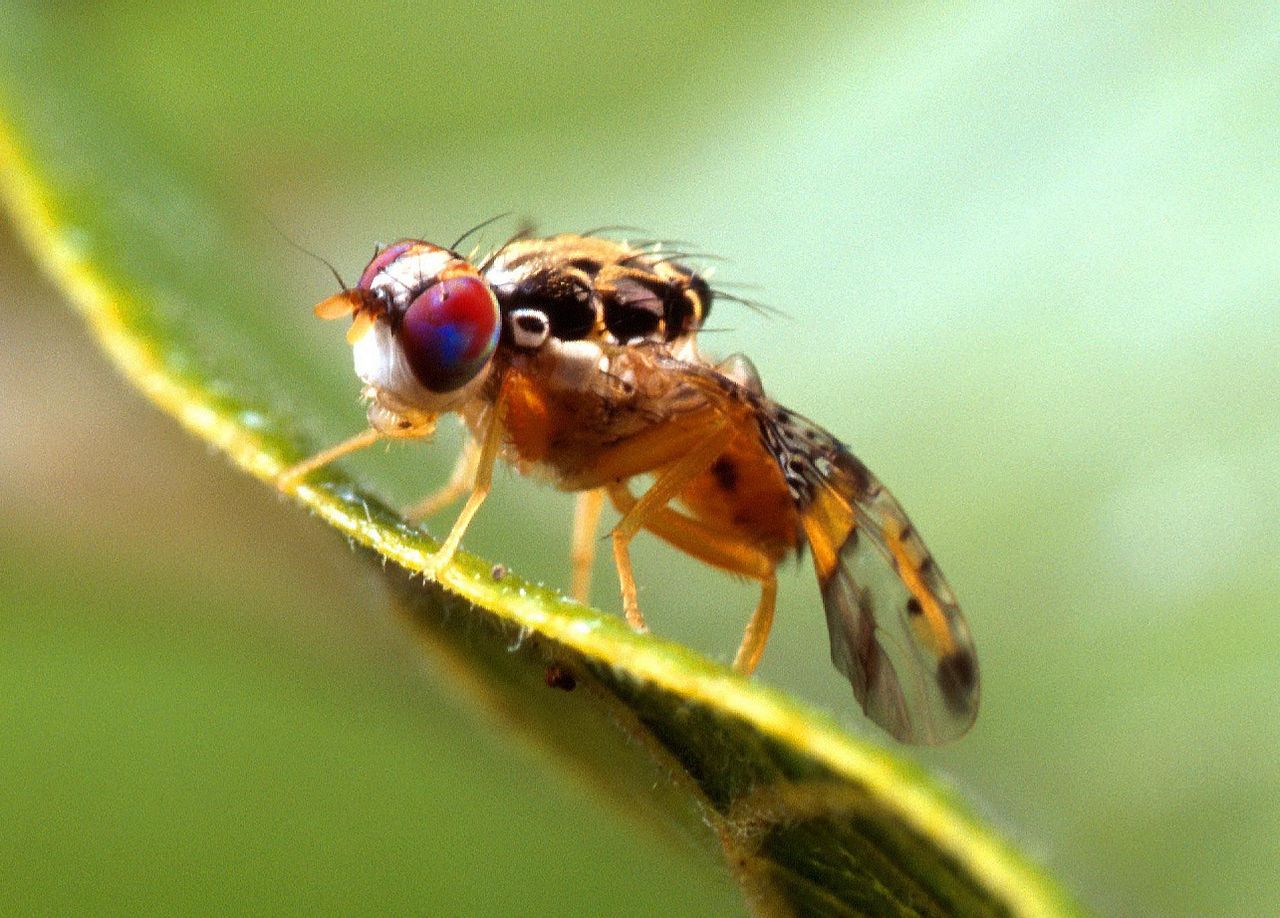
724, 551
667, 485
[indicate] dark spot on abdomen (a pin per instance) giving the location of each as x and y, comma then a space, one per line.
726, 474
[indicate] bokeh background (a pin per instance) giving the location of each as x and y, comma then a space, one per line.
1028, 257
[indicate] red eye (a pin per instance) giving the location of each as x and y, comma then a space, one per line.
449, 332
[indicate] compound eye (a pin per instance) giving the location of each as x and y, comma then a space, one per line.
449, 332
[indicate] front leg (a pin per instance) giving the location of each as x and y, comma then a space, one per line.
291, 477
383, 425
489, 445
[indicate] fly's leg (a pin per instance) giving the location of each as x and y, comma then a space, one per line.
667, 485
489, 444
460, 482
723, 550
383, 425
759, 625
293, 475
586, 516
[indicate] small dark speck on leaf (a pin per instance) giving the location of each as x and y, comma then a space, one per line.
559, 677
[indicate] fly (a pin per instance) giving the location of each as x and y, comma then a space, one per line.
575, 357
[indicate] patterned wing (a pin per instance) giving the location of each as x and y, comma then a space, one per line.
896, 630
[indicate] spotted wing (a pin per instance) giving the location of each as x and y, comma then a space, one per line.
896, 630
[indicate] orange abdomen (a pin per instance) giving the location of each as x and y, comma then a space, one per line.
743, 493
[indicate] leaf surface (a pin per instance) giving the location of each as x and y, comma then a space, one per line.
811, 819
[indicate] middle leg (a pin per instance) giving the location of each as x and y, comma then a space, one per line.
586, 516
461, 480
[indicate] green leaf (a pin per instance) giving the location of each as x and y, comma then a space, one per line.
811, 820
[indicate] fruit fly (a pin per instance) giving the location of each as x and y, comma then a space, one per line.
575, 357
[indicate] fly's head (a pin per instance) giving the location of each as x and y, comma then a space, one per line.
425, 326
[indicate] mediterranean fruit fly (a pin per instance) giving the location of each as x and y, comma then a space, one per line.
575, 357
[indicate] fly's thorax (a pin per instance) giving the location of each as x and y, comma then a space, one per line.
585, 288
571, 309
583, 366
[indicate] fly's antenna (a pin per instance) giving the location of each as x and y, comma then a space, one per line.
305, 251
475, 229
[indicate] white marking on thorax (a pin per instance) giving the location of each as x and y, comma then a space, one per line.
685, 349
576, 362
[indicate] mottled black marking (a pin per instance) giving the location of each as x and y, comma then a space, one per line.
914, 607
778, 436
869, 653
726, 474
700, 290
957, 678
637, 297
633, 309
861, 475
561, 296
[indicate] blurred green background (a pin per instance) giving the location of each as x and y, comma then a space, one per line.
1029, 258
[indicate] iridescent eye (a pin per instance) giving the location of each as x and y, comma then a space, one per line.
449, 332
